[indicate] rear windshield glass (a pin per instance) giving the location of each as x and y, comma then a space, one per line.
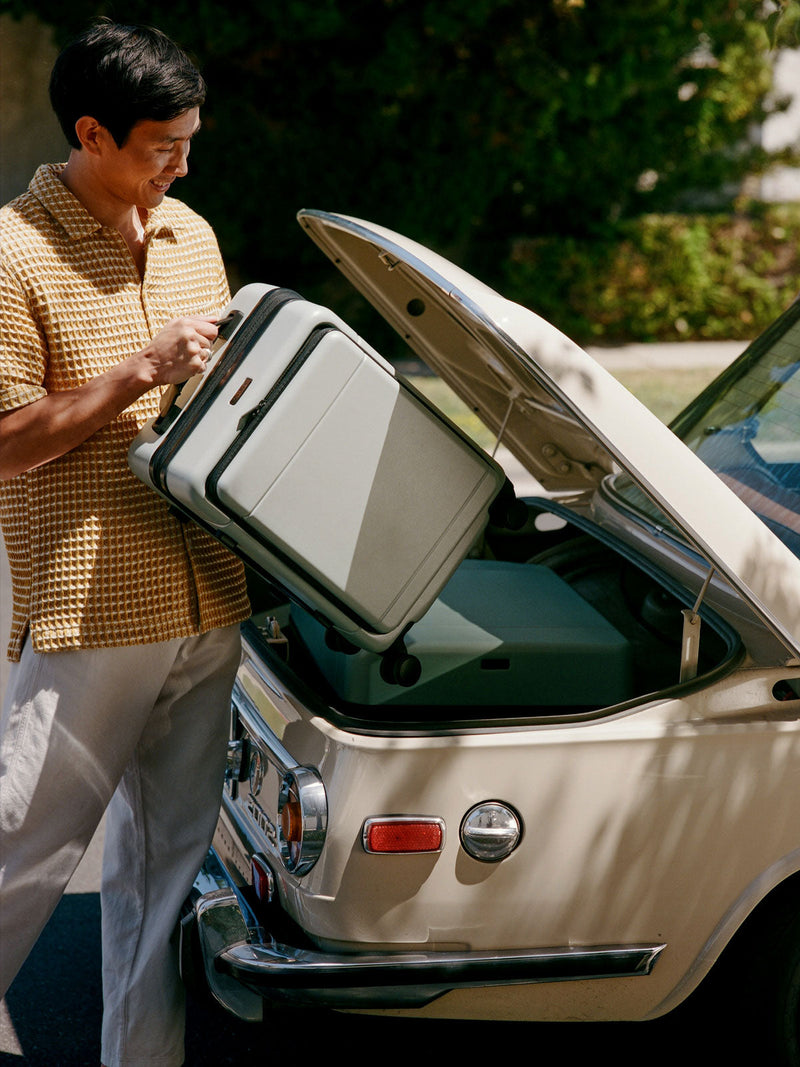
746, 427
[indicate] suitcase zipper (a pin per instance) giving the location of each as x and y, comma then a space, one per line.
248, 333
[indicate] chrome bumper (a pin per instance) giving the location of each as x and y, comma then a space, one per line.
244, 964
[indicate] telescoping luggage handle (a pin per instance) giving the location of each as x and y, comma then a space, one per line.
168, 410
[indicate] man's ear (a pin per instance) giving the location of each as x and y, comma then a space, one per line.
91, 135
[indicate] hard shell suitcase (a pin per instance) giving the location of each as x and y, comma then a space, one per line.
303, 451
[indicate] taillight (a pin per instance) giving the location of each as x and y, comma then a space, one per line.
403, 834
302, 819
292, 819
262, 878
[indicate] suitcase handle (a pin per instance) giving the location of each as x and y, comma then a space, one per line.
168, 412
227, 325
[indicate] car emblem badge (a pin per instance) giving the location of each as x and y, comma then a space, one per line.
256, 773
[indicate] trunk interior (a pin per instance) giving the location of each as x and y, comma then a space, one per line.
544, 624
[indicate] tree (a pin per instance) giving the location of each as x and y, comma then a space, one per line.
464, 125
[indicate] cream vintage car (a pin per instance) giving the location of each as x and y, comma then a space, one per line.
590, 801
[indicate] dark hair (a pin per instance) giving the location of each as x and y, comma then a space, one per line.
120, 75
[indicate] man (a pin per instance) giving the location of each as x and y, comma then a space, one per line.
125, 630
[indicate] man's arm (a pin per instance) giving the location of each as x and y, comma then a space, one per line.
55, 424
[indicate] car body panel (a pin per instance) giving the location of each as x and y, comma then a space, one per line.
632, 825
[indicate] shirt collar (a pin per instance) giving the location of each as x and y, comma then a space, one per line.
70, 213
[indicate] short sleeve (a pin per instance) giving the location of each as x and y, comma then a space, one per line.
23, 353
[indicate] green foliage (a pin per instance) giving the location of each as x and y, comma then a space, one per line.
664, 277
465, 125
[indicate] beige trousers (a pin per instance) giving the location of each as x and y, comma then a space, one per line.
145, 725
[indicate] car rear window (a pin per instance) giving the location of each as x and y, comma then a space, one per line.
746, 427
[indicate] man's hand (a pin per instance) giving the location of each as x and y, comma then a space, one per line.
179, 351
57, 423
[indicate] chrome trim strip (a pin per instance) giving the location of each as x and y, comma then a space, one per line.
274, 966
238, 950
247, 711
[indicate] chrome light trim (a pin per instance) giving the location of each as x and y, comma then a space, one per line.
490, 831
306, 785
265, 747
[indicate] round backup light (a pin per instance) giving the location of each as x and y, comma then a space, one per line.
490, 831
302, 819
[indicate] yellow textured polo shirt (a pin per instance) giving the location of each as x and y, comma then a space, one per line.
96, 558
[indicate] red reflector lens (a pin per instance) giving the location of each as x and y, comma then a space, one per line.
263, 882
396, 835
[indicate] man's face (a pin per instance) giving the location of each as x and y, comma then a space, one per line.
154, 155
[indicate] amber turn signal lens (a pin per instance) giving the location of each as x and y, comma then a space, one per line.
292, 821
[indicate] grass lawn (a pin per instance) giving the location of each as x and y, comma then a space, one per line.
665, 392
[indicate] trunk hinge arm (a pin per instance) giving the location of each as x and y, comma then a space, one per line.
514, 396
690, 642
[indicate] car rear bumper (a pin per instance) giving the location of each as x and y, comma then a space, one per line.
244, 963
